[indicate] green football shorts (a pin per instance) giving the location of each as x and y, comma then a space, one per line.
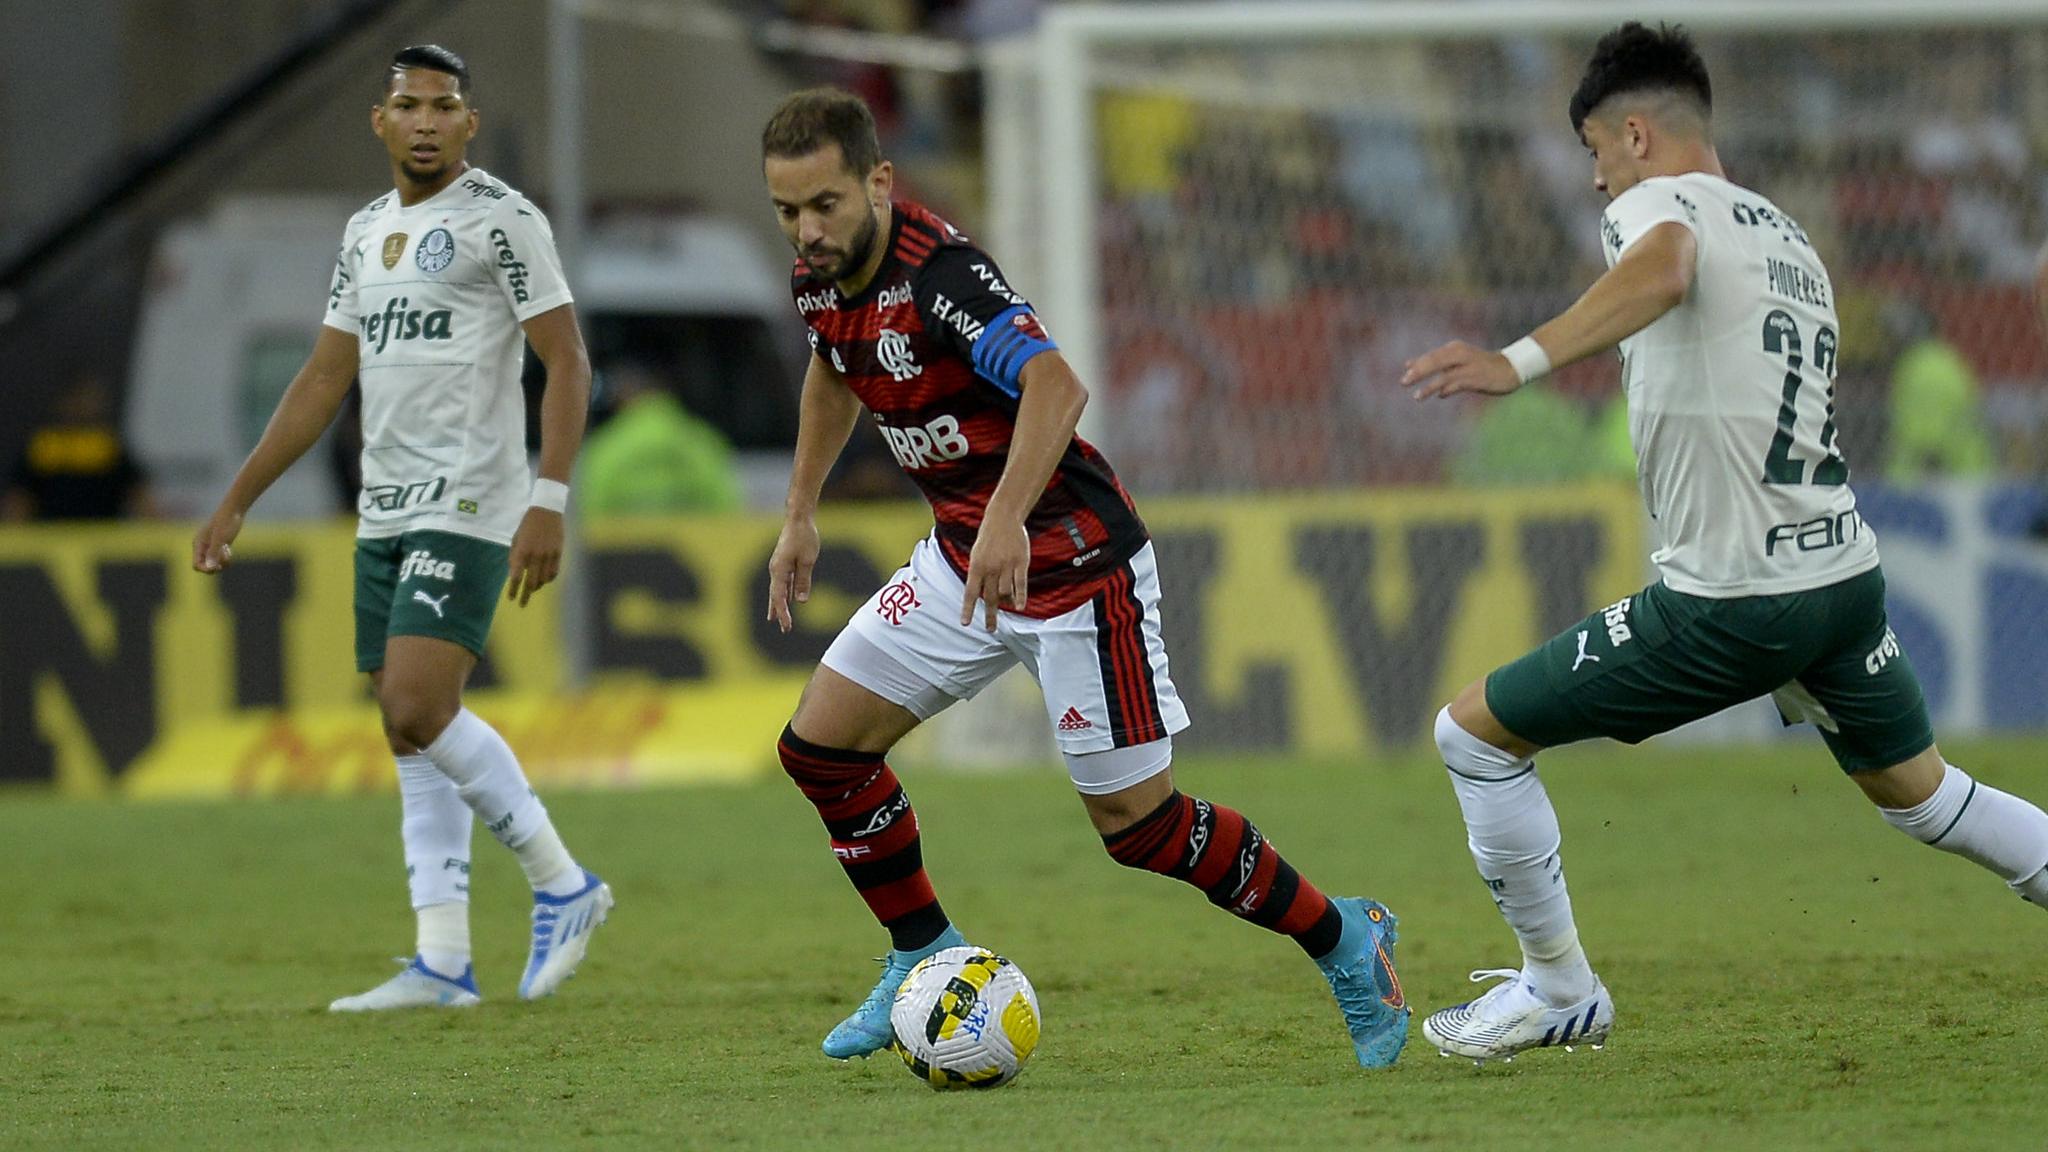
1660, 658
436, 584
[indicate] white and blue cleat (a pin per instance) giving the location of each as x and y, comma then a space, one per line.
1511, 1018
868, 1031
1361, 975
562, 927
415, 986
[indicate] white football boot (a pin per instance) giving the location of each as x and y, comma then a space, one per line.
1510, 1018
562, 927
415, 986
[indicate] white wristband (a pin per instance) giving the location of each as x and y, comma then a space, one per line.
1529, 359
552, 495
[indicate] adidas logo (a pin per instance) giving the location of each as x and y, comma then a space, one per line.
1073, 721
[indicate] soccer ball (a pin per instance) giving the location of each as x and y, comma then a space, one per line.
965, 1018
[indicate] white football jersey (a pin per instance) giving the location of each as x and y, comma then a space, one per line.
435, 294
1731, 400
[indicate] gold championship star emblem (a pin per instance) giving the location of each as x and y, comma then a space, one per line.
394, 247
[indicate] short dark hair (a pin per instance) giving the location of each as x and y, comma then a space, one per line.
1634, 58
808, 120
433, 58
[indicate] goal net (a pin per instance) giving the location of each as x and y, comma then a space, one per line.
1251, 214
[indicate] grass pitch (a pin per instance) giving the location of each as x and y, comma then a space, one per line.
1788, 971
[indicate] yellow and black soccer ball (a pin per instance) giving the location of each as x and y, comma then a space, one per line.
965, 1018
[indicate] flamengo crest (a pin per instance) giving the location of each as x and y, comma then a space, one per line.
892, 348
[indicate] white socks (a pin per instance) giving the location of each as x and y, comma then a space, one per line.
487, 776
435, 827
444, 938
1993, 829
1512, 831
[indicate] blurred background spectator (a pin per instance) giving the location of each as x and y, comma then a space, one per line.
651, 455
1937, 411
1533, 436
75, 465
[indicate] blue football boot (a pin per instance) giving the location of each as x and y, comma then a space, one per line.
867, 1031
1360, 970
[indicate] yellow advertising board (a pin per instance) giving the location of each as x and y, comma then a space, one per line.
1328, 623
627, 735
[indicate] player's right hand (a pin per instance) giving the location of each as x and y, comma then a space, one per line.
213, 548
789, 568
1459, 367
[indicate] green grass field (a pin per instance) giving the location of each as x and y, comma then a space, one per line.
1789, 973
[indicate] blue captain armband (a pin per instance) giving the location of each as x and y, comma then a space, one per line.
1009, 343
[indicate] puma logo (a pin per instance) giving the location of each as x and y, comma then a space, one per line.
435, 604
1582, 657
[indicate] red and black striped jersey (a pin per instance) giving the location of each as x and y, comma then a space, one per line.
934, 347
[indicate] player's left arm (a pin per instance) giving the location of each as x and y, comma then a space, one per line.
564, 405
1651, 278
970, 308
1049, 407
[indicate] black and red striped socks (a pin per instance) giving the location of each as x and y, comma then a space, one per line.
1220, 852
874, 834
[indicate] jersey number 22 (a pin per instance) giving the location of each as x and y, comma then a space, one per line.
1781, 338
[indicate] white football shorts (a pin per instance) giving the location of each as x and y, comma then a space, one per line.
1102, 666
